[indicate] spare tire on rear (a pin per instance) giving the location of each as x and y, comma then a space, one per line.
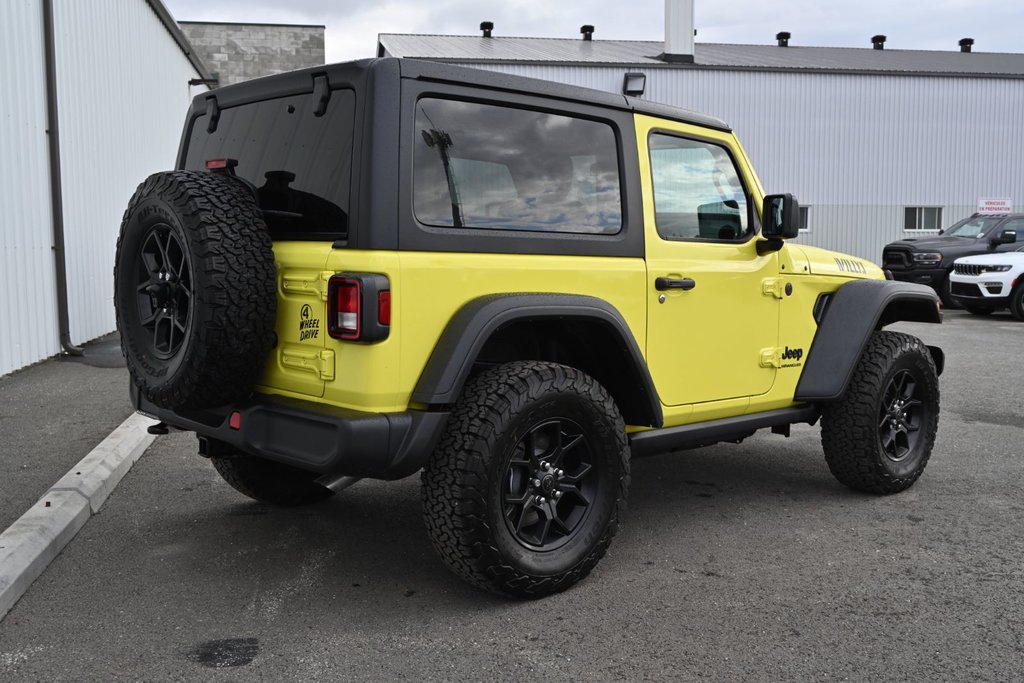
194, 289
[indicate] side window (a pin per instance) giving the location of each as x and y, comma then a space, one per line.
491, 167
697, 191
1017, 224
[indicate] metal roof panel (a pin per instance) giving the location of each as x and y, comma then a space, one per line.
706, 55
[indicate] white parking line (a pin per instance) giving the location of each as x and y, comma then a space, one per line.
29, 545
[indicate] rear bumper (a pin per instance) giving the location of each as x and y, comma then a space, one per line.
312, 436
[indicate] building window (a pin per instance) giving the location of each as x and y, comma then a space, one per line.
805, 222
922, 219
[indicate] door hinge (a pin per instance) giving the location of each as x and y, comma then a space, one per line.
773, 286
771, 358
317, 361
307, 282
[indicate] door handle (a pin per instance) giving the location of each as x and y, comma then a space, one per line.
685, 284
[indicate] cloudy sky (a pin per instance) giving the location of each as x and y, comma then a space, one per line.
353, 25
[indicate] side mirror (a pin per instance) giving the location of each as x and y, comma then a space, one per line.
1006, 237
781, 217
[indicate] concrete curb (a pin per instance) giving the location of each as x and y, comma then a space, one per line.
29, 545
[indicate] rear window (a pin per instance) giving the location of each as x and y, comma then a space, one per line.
300, 164
492, 167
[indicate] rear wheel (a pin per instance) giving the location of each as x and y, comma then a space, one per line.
523, 494
270, 482
879, 437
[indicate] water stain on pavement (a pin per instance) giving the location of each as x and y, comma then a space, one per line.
990, 418
226, 653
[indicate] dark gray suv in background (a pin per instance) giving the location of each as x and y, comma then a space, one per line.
929, 260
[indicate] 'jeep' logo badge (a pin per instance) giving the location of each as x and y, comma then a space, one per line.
850, 266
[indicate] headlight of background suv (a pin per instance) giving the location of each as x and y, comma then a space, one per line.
927, 257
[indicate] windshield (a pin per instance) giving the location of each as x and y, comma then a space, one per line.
976, 226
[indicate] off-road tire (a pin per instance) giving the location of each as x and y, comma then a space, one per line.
974, 309
463, 485
1017, 302
855, 430
270, 482
217, 259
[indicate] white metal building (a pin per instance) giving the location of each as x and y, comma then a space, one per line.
878, 144
95, 95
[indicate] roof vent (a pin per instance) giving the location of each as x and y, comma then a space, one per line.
588, 31
965, 44
487, 27
878, 42
783, 38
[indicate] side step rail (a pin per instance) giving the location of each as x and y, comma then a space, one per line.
657, 441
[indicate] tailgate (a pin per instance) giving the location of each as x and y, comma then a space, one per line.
301, 363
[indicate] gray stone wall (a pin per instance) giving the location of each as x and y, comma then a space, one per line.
238, 52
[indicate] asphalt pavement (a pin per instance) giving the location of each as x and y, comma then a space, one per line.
53, 413
740, 561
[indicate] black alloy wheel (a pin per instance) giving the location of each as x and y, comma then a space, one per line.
878, 437
899, 417
550, 482
164, 277
524, 491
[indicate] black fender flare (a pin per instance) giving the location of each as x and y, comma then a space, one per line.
459, 346
852, 313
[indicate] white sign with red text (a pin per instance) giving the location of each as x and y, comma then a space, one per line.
995, 205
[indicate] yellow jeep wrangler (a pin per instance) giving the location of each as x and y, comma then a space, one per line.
389, 266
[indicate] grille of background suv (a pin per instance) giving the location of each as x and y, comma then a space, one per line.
896, 257
968, 269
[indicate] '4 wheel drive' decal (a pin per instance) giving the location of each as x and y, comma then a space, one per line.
309, 327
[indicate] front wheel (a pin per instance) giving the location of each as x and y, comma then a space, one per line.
1017, 302
879, 437
525, 489
974, 309
946, 295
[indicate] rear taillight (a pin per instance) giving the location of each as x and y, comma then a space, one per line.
346, 309
359, 307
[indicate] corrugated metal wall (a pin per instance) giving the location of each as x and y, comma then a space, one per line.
856, 149
123, 92
122, 95
28, 304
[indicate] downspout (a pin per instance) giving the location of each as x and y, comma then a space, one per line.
56, 197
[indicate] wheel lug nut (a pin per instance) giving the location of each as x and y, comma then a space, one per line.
536, 482
561, 473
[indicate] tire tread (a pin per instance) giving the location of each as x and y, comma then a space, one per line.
454, 482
